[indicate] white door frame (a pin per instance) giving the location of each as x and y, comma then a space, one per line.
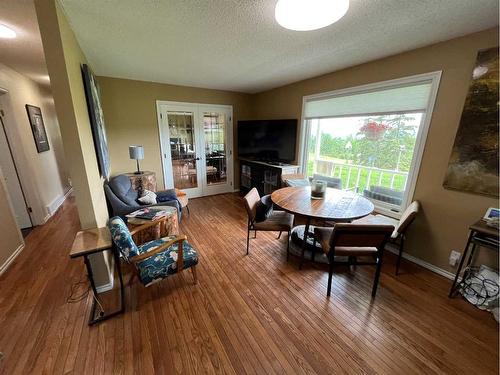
203, 189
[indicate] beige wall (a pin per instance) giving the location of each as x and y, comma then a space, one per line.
446, 215
64, 57
130, 114
43, 175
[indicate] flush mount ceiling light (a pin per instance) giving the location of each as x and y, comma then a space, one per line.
6, 32
304, 15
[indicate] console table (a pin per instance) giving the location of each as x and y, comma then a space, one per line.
266, 177
92, 241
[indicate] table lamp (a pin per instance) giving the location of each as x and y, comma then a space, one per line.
136, 153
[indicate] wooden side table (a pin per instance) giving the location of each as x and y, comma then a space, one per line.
480, 235
146, 180
166, 226
92, 241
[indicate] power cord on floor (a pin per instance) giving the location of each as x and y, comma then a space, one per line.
72, 298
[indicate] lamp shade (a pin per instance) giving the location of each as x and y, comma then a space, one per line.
136, 152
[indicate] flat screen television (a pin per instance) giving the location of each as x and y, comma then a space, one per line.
267, 140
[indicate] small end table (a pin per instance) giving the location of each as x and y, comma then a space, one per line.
166, 226
480, 235
92, 241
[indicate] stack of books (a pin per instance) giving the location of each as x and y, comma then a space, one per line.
147, 214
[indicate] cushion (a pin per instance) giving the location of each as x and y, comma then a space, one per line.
148, 197
297, 182
264, 208
331, 182
166, 195
278, 221
122, 238
179, 193
164, 264
379, 220
122, 187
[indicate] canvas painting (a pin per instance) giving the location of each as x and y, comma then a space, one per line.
38, 128
473, 165
96, 119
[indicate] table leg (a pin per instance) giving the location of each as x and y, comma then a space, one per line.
464, 255
304, 243
102, 316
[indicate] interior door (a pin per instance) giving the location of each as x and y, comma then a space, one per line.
181, 149
217, 140
12, 182
196, 144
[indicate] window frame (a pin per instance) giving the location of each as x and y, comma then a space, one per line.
434, 78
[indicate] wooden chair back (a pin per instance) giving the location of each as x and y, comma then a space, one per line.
251, 199
408, 216
360, 235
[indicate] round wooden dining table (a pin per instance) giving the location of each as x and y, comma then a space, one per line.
337, 206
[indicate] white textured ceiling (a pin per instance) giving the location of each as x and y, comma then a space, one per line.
24, 53
237, 44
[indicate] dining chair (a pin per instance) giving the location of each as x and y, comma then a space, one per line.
401, 226
278, 221
354, 240
153, 260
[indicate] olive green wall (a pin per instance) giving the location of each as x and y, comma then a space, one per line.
130, 114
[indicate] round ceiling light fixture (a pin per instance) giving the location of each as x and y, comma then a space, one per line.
305, 15
7, 32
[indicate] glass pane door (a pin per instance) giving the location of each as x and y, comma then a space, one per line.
183, 149
214, 128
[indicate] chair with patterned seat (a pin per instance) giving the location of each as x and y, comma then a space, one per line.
153, 260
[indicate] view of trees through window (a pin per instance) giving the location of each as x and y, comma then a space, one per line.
367, 153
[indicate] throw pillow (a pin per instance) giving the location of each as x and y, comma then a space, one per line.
264, 208
148, 197
179, 193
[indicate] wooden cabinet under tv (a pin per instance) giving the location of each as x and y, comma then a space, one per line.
264, 176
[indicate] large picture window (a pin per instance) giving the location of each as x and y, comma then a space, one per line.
371, 138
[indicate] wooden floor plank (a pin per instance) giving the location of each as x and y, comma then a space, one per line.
246, 314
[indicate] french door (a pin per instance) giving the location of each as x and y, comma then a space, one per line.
196, 146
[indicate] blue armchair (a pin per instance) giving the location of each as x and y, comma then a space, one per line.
122, 198
154, 260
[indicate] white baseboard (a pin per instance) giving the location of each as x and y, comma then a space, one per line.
423, 263
55, 204
10, 259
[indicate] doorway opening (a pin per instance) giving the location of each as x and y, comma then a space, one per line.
196, 147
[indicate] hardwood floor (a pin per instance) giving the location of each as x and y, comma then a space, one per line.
247, 314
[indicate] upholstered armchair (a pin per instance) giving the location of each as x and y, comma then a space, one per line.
122, 198
153, 260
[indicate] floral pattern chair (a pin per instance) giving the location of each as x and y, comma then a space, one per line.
153, 260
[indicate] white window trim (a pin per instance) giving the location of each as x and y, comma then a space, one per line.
435, 78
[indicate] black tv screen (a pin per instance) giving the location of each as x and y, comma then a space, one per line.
267, 140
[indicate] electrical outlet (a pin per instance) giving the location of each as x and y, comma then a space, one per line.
454, 257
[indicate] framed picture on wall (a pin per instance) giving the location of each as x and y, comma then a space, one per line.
96, 120
38, 128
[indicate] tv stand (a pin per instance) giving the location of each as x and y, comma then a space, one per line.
265, 176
